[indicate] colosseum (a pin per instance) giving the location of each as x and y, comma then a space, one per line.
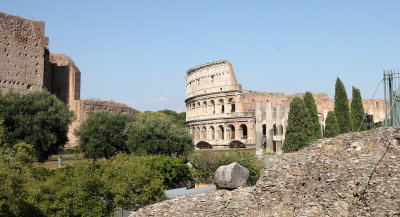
220, 114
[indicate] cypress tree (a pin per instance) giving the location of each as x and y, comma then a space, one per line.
298, 133
342, 107
357, 111
312, 111
331, 125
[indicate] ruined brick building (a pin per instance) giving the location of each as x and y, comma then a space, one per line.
219, 111
26, 64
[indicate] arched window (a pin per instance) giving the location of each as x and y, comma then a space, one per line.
197, 134
264, 130
212, 106
205, 107
221, 102
203, 133
212, 133
243, 129
232, 131
232, 102
221, 132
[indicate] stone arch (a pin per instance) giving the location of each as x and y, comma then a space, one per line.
236, 144
203, 145
203, 133
221, 133
243, 131
231, 132
212, 133
221, 102
231, 101
197, 133
205, 107
212, 104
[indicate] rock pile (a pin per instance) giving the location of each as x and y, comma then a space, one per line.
355, 174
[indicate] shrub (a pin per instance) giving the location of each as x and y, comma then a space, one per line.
132, 181
174, 171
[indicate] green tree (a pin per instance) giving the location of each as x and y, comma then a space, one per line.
312, 110
153, 134
357, 111
38, 118
101, 134
174, 171
331, 125
132, 181
298, 131
176, 118
342, 107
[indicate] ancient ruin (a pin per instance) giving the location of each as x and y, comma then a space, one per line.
353, 174
26, 64
219, 111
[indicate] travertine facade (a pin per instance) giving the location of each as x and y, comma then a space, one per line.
219, 111
26, 64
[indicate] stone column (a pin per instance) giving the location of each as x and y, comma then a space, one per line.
259, 149
278, 128
268, 117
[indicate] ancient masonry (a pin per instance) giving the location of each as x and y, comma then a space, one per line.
219, 111
26, 64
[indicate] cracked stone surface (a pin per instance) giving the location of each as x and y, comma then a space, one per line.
354, 174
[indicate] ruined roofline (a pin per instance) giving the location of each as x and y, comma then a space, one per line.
206, 65
19, 17
266, 92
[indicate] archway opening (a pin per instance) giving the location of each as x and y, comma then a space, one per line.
236, 144
203, 145
243, 129
232, 131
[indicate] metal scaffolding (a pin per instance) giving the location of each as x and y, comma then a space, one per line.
391, 80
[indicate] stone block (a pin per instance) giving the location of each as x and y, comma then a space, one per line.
230, 176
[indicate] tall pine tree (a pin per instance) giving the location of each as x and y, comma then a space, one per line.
298, 133
331, 125
312, 111
357, 111
342, 107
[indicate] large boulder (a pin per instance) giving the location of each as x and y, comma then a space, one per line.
230, 176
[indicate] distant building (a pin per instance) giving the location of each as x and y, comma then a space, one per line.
219, 111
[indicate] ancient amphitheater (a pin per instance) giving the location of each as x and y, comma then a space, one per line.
219, 111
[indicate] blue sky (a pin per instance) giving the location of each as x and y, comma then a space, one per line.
137, 52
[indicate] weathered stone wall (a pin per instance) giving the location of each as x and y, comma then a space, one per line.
23, 50
328, 178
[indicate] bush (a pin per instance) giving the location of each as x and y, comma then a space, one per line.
174, 171
38, 118
205, 163
155, 135
101, 134
132, 181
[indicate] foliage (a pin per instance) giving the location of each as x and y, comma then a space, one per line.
14, 165
331, 125
72, 191
132, 181
342, 107
357, 111
298, 130
176, 118
205, 163
38, 118
173, 171
101, 134
312, 111
151, 134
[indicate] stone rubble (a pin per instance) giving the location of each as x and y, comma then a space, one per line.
230, 176
328, 178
